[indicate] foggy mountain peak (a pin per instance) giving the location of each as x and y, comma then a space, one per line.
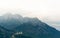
12, 15
29, 26
17, 16
12, 20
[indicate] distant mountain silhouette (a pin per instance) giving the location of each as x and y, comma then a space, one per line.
31, 27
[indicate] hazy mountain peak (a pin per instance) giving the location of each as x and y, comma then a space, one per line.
11, 16
8, 14
29, 26
12, 20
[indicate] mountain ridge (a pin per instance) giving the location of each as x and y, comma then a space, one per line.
31, 27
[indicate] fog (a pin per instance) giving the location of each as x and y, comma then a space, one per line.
46, 10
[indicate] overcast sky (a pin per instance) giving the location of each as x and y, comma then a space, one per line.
46, 10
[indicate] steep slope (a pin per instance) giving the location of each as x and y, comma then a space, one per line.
37, 29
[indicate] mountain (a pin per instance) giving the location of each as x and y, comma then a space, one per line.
37, 29
30, 27
10, 21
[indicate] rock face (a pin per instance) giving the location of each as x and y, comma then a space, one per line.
31, 27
